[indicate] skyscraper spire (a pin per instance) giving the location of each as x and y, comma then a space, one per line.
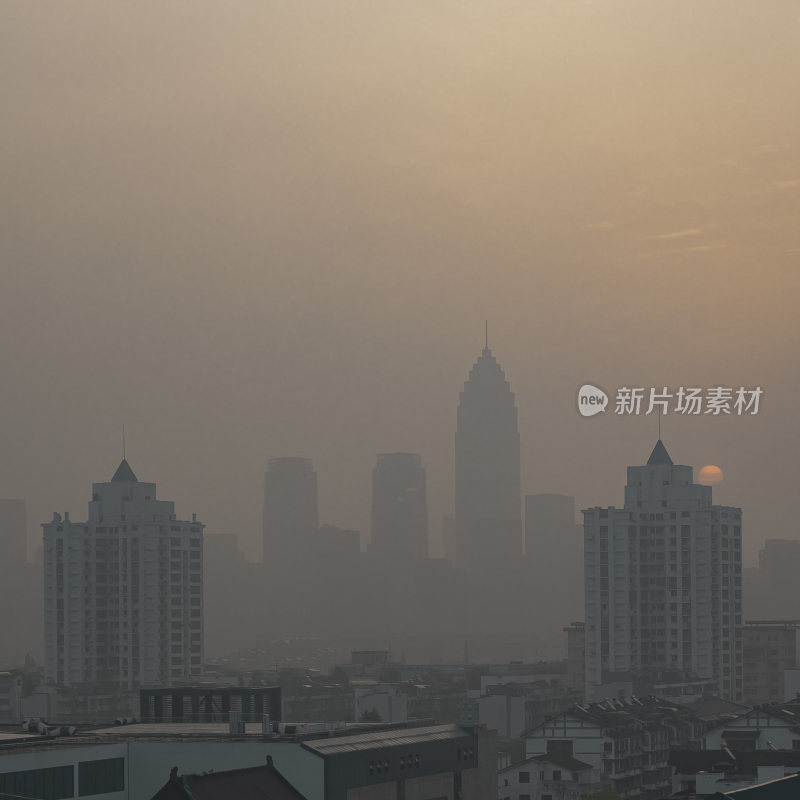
488, 516
487, 334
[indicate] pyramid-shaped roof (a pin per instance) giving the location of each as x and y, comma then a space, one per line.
124, 472
659, 455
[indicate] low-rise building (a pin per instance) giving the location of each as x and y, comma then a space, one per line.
10, 697
384, 702
702, 773
322, 762
627, 740
555, 776
772, 725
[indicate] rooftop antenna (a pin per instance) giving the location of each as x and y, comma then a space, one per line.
487, 334
659, 422
123, 441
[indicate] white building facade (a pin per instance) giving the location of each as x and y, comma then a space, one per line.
549, 777
663, 583
123, 591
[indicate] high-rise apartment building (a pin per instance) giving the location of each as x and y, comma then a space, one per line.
399, 507
291, 516
663, 583
123, 591
488, 514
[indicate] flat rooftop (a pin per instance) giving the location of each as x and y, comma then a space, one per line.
174, 729
379, 739
353, 736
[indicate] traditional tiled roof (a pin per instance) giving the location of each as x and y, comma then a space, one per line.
563, 760
631, 713
263, 782
689, 762
787, 788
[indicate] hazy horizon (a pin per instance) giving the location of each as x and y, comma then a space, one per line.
279, 232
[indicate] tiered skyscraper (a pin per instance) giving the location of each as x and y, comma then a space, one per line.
399, 507
488, 514
663, 584
123, 591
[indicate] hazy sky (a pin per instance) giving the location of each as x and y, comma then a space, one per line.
276, 228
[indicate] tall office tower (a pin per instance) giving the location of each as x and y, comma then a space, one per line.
13, 532
123, 591
488, 496
399, 507
291, 517
663, 584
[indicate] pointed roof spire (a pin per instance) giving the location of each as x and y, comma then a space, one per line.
124, 473
659, 455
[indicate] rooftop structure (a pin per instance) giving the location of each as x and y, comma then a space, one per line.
627, 740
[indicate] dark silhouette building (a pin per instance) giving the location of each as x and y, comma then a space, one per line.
488, 496
554, 558
291, 517
399, 507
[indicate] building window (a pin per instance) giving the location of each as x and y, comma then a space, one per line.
524, 777
556, 774
559, 746
53, 783
99, 777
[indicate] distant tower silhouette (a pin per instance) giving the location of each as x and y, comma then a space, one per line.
291, 518
399, 507
13, 533
488, 497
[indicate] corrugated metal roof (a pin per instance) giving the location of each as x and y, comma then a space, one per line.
396, 738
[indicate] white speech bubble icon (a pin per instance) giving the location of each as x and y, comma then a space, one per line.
591, 400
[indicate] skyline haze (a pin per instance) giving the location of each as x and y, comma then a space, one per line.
279, 233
